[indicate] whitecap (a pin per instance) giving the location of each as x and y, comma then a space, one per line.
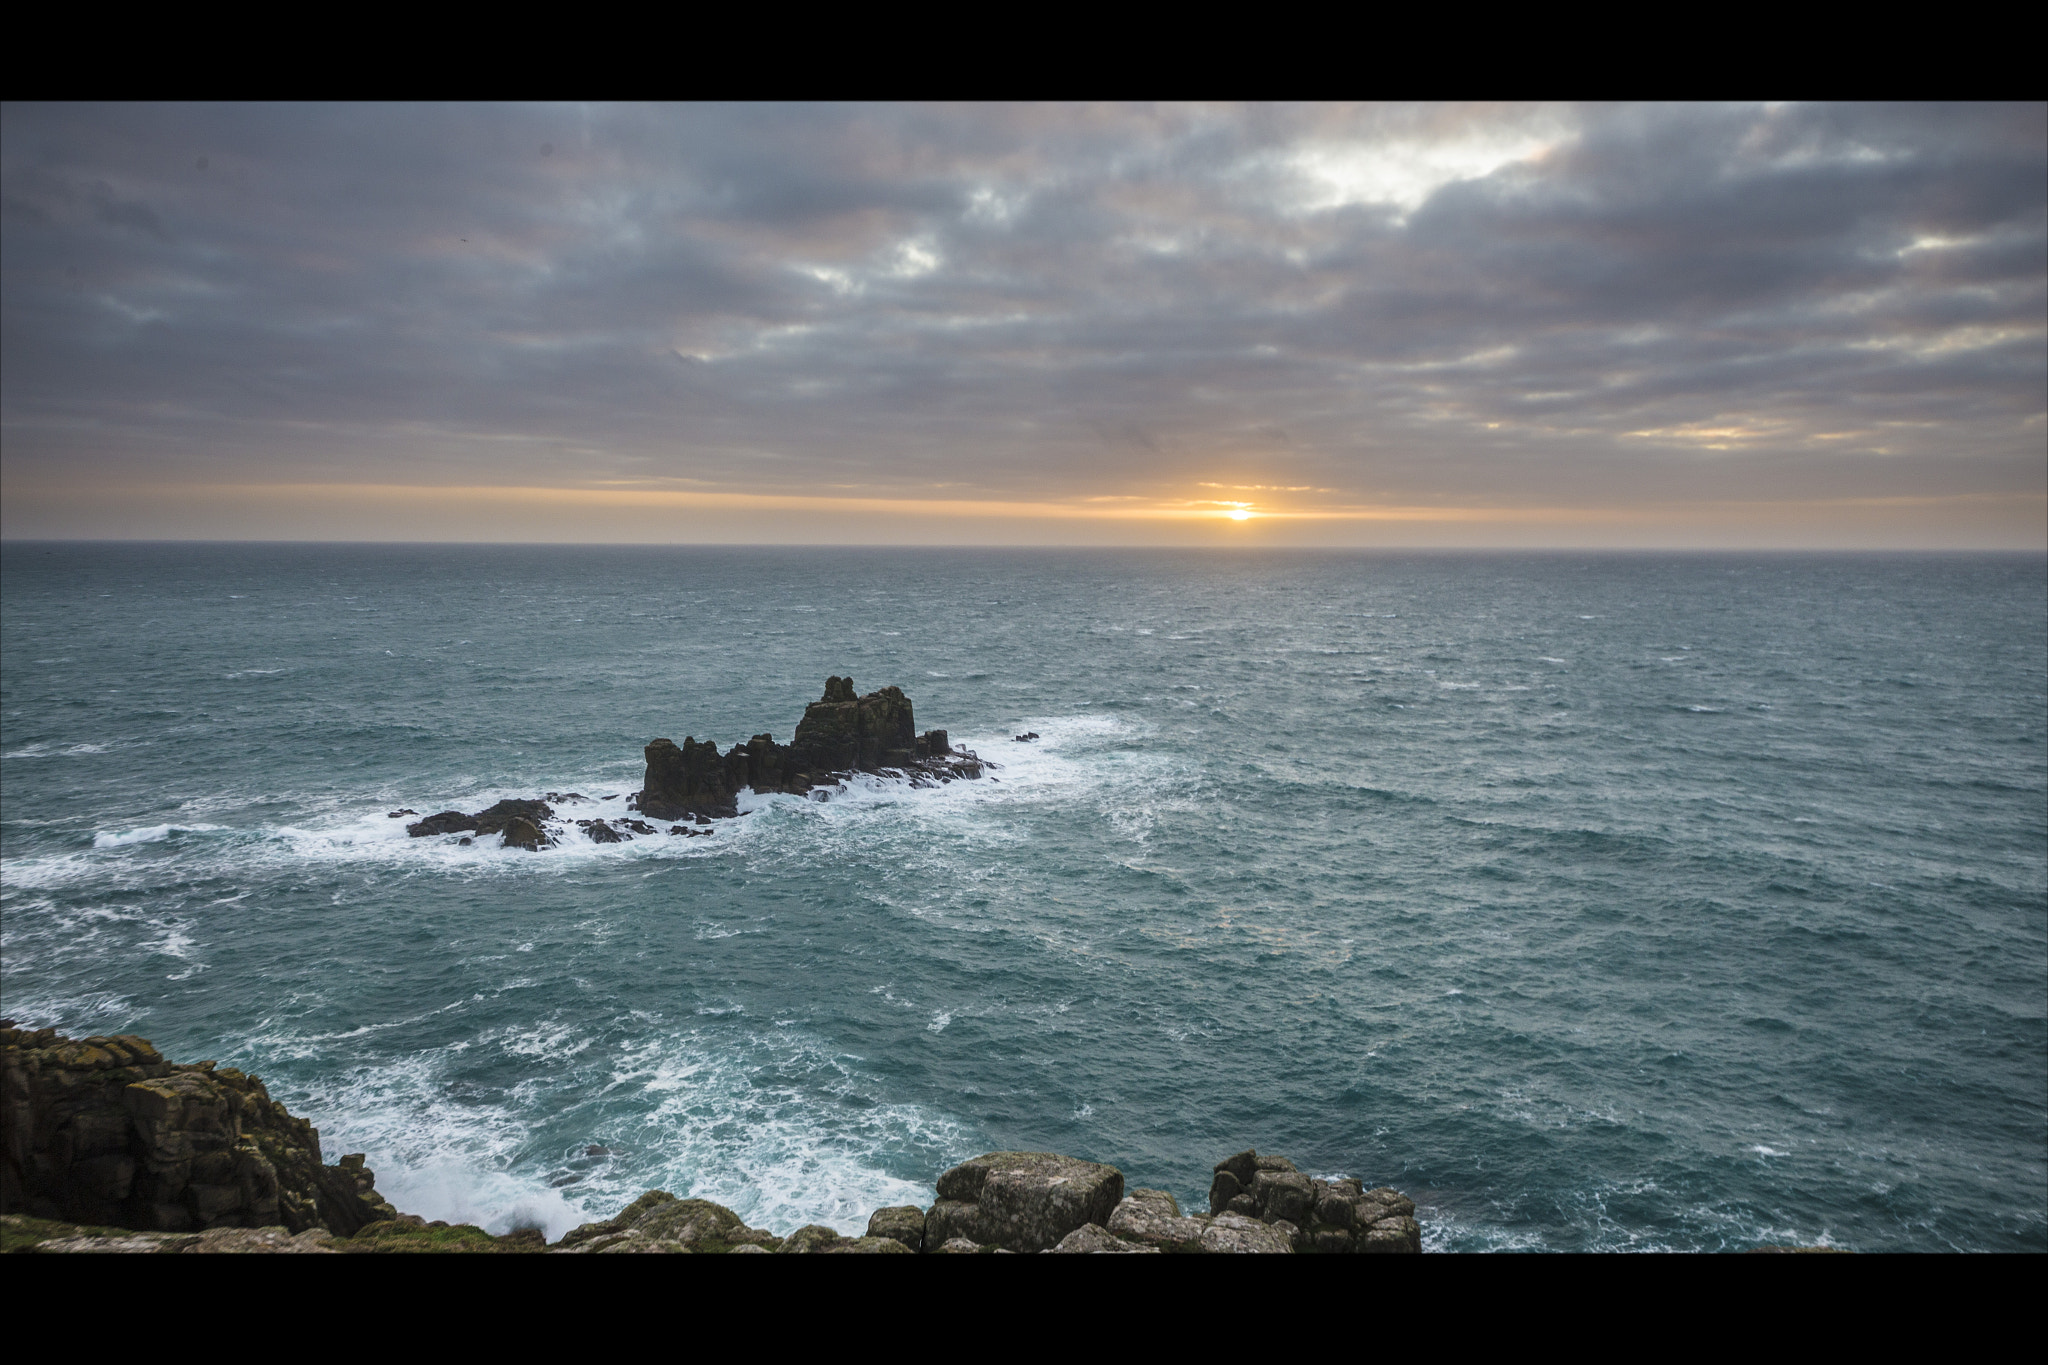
940, 1018
148, 834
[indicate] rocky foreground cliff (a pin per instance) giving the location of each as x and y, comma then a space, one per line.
694, 784
107, 1147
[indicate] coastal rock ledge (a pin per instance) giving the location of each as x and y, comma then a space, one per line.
107, 1147
692, 783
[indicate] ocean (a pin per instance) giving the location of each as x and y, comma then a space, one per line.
1599, 902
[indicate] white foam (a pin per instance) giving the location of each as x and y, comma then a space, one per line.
148, 834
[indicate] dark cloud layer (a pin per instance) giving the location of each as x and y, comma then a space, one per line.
1332, 308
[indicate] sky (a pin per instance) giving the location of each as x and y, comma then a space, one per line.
1739, 326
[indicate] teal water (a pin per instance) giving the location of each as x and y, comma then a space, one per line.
1597, 901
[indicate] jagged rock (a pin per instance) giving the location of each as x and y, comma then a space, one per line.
959, 1246
1152, 1218
105, 1131
520, 832
447, 822
687, 779
504, 813
904, 1224
1022, 1201
1235, 1235
1093, 1239
406, 811
841, 733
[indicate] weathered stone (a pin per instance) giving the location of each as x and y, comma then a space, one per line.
520, 832
949, 1219
812, 1238
1022, 1201
1330, 1241
601, 833
959, 1246
447, 822
1234, 1234
1243, 1205
1224, 1188
841, 733
1152, 1218
1093, 1239
1336, 1211
105, 1131
505, 812
866, 1246
1283, 1195
1275, 1163
1378, 1204
687, 779
1242, 1167
694, 1223
904, 1224
1400, 1235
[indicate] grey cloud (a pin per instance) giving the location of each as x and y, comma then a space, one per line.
1030, 302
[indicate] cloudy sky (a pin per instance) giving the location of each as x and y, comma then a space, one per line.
1380, 325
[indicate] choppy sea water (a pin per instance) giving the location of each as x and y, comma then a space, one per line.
1619, 902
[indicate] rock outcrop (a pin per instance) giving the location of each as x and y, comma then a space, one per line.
840, 735
107, 1147
103, 1130
1022, 1201
1036, 1201
1324, 1216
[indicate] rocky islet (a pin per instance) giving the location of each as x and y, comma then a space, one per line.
690, 785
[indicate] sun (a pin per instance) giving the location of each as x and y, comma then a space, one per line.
1239, 514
